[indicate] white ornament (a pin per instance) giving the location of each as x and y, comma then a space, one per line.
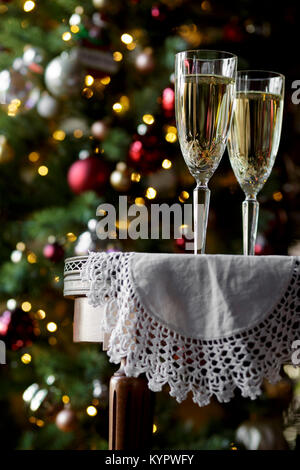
47, 106
64, 75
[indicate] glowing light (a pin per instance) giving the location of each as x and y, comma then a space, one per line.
139, 201
56, 279
26, 358
78, 133
151, 193
136, 177
66, 36
41, 314
131, 46
154, 429
11, 304
79, 10
20, 246
171, 137
148, 119
105, 80
71, 237
13, 107
89, 80
74, 29
142, 129
184, 195
91, 410
87, 93
28, 6
118, 56
16, 256
40, 423
31, 258
43, 170
117, 107
51, 327
75, 19
277, 196
65, 399
33, 156
59, 135
26, 306
126, 38
166, 164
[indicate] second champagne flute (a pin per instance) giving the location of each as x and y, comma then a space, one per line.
254, 139
204, 99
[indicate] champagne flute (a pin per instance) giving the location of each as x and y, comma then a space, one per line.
254, 140
204, 99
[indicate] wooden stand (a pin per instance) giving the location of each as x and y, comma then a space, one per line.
131, 406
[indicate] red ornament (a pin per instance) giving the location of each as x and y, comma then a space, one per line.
54, 252
145, 153
168, 101
17, 328
90, 174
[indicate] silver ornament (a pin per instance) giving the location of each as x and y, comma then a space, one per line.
64, 75
17, 91
47, 106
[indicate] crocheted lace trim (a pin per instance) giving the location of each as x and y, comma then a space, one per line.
201, 366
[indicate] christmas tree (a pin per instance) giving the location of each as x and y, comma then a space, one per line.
87, 115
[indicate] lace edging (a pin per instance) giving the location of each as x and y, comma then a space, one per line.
203, 367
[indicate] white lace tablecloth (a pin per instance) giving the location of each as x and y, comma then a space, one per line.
207, 324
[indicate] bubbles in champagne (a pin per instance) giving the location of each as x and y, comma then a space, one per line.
203, 112
254, 138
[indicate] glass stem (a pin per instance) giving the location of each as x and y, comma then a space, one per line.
201, 207
250, 220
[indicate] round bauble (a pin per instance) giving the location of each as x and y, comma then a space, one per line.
145, 154
54, 252
66, 420
17, 92
6, 151
17, 329
64, 75
99, 130
120, 178
90, 174
47, 107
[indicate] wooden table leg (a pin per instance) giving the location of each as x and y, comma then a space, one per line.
131, 406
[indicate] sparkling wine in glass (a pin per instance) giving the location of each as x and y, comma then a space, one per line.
204, 99
254, 140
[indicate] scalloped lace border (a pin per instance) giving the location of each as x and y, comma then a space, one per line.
203, 367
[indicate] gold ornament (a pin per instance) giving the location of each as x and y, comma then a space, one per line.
6, 151
120, 178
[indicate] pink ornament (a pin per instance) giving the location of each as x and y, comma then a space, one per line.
90, 174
